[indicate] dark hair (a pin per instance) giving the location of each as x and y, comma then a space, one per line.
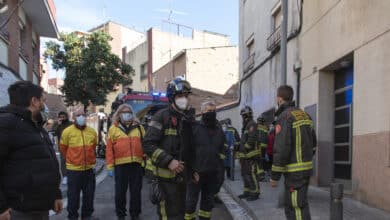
21, 92
286, 92
63, 113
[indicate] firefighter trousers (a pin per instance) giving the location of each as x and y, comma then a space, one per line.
249, 171
172, 207
296, 203
207, 186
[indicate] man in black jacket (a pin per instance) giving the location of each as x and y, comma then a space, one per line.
63, 122
209, 146
294, 145
29, 172
167, 143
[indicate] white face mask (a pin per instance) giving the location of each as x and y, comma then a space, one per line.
81, 120
126, 117
182, 103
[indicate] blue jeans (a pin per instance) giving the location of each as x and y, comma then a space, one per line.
85, 182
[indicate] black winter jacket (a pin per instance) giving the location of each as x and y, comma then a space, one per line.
209, 146
29, 170
168, 137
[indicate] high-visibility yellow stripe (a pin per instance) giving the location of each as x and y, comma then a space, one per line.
303, 122
190, 216
254, 172
163, 212
156, 154
298, 148
222, 156
295, 167
294, 198
128, 160
204, 214
149, 165
164, 173
170, 132
247, 146
79, 167
253, 153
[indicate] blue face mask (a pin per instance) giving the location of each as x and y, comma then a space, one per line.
81, 120
126, 117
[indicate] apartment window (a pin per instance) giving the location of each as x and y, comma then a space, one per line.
250, 59
273, 40
144, 71
35, 57
22, 39
3, 52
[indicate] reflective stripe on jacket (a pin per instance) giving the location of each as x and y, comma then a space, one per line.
78, 147
124, 148
293, 147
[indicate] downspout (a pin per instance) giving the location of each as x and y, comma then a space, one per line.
265, 60
283, 42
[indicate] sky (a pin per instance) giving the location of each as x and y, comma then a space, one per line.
219, 16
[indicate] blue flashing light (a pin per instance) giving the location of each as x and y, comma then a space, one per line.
155, 94
163, 94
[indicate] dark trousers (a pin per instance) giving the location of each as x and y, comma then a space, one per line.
296, 204
249, 171
172, 207
208, 186
85, 182
228, 172
128, 176
63, 165
16, 215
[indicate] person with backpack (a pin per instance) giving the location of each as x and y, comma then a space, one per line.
124, 154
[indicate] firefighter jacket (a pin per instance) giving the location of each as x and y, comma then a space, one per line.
210, 147
168, 137
236, 136
262, 142
249, 138
295, 140
124, 145
78, 148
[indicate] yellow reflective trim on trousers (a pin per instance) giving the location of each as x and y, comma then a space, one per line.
164, 173
246, 189
254, 172
303, 122
294, 198
247, 146
170, 132
190, 216
222, 156
204, 214
163, 212
156, 154
259, 171
263, 145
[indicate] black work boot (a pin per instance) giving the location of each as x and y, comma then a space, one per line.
252, 198
243, 196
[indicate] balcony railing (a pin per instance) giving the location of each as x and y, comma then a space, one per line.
273, 41
249, 63
4, 35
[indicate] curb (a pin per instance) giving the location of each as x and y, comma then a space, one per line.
241, 203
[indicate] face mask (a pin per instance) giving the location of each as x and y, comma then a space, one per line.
44, 113
126, 117
209, 118
182, 103
81, 120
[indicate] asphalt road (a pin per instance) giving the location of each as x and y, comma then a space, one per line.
105, 206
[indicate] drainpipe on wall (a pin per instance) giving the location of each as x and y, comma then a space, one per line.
283, 42
297, 70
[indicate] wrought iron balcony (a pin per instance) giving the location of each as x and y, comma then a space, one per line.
249, 63
273, 41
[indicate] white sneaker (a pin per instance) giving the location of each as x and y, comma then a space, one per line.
65, 180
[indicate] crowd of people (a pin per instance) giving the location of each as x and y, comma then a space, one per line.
185, 157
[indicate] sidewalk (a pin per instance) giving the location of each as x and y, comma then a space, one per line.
266, 206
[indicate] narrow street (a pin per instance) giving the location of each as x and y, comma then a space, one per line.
105, 205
